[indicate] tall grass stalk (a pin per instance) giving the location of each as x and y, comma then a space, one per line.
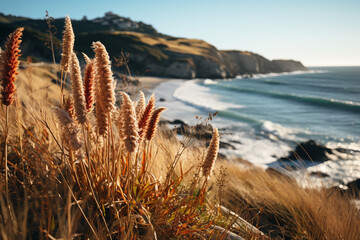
48, 21
6, 132
9, 64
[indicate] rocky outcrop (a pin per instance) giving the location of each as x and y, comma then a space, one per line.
309, 151
354, 188
243, 62
289, 65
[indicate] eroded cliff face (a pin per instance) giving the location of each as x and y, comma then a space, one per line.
214, 64
289, 65
242, 62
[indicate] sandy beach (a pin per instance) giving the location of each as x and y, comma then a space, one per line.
150, 83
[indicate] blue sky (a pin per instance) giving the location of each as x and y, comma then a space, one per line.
318, 33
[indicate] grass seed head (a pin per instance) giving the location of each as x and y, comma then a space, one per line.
104, 78
140, 106
67, 45
9, 65
145, 118
150, 132
130, 124
77, 90
69, 129
211, 154
89, 79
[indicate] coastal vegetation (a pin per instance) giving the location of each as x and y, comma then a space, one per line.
82, 160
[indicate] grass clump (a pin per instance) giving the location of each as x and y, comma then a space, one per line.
75, 172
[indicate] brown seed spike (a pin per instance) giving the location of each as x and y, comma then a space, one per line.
89, 78
140, 107
86, 58
150, 132
67, 45
144, 121
130, 124
211, 154
104, 92
104, 77
69, 129
101, 116
9, 65
68, 106
77, 90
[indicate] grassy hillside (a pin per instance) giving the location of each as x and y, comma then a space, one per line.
149, 52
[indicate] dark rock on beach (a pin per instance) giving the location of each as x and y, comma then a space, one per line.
309, 151
354, 188
351, 189
200, 132
226, 145
319, 174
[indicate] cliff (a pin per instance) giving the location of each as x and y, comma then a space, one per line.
242, 62
149, 51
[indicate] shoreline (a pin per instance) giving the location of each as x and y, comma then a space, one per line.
151, 82
147, 84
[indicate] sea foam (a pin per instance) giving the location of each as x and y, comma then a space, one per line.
196, 95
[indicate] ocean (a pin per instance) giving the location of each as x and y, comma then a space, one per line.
266, 116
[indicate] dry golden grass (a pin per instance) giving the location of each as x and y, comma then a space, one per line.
181, 45
36, 82
68, 181
280, 207
96, 189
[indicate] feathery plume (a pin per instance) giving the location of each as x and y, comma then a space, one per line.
9, 65
67, 45
120, 121
86, 58
145, 118
69, 106
101, 117
104, 77
89, 78
69, 129
77, 90
102, 120
104, 93
211, 154
150, 132
130, 124
140, 106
